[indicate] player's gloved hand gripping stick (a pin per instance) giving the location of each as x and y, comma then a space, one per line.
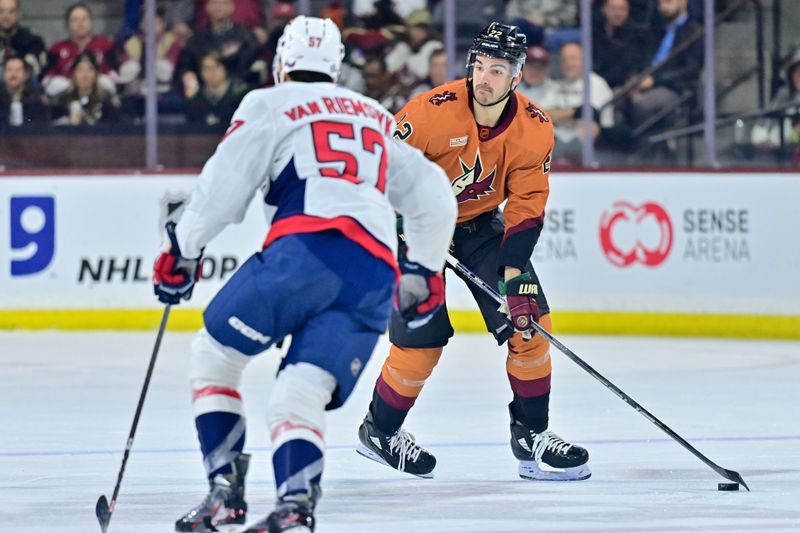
520, 305
174, 276
456, 265
420, 292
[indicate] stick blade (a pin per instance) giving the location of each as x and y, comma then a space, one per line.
735, 476
103, 513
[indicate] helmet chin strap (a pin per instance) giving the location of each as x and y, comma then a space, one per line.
495, 102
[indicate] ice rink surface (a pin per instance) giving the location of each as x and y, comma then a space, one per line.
68, 401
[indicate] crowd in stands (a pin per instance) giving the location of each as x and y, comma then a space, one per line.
647, 58
209, 53
646, 55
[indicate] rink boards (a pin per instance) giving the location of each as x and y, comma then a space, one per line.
714, 254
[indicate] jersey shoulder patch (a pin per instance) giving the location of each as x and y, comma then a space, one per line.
536, 113
443, 97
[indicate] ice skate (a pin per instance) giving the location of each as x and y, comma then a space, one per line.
398, 451
295, 516
547, 457
224, 508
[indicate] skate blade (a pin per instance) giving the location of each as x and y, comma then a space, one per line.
245, 529
533, 471
228, 528
369, 454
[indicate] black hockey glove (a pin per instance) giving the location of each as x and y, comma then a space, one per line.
174, 276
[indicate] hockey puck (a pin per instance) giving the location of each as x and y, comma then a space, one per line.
727, 486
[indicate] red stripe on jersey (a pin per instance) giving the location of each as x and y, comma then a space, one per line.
212, 390
347, 226
235, 125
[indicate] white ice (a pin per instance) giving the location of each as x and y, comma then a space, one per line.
67, 400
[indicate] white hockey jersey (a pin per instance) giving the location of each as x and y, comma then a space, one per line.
324, 157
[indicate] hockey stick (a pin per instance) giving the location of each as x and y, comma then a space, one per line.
456, 265
103, 509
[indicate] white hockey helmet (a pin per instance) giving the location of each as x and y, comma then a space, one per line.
311, 44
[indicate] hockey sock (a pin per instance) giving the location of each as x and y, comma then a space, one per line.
220, 427
297, 426
529, 368
388, 408
400, 383
298, 466
532, 412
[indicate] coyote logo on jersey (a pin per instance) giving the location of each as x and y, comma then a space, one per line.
440, 98
470, 185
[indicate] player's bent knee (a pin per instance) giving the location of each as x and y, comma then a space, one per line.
297, 404
214, 364
417, 361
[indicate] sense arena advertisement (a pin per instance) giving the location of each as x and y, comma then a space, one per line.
723, 243
708, 243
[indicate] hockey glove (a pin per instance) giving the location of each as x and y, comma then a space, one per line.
520, 292
174, 276
420, 294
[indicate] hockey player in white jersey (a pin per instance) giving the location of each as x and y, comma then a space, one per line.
324, 159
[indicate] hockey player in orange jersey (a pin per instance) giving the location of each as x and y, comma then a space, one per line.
495, 145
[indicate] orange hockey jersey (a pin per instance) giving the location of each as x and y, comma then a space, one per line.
486, 165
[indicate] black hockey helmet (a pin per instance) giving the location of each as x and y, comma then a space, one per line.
500, 40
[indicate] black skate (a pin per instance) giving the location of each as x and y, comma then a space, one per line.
545, 456
292, 516
224, 506
398, 451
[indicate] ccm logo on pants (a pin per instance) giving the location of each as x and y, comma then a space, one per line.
247, 331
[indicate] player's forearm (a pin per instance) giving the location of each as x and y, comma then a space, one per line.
518, 243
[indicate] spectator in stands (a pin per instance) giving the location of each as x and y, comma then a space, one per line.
20, 101
536, 82
179, 15
62, 55
766, 134
392, 11
381, 85
377, 29
673, 75
568, 102
86, 101
18, 41
261, 70
616, 44
215, 102
132, 68
335, 11
408, 60
548, 23
437, 72
246, 13
350, 75
235, 44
